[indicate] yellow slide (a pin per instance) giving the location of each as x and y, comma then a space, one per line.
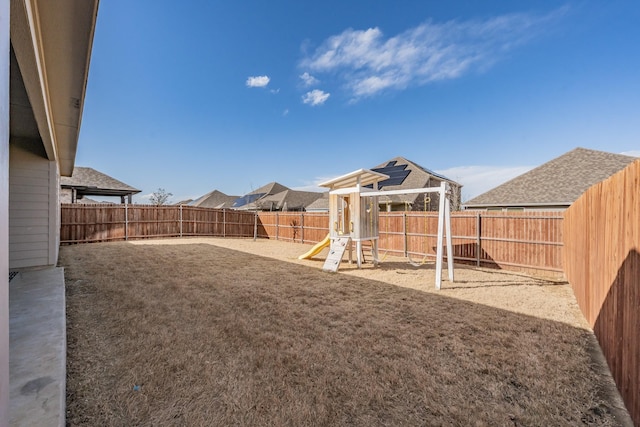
317, 248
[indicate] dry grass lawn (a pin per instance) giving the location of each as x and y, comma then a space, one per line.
215, 332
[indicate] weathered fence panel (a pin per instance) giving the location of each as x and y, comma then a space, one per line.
202, 222
238, 223
152, 221
602, 264
92, 223
103, 222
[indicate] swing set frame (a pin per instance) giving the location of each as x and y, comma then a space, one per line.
444, 224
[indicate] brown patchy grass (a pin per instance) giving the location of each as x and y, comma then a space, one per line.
215, 336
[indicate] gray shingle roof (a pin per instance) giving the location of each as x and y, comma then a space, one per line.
271, 188
320, 204
214, 199
91, 182
558, 182
248, 201
289, 200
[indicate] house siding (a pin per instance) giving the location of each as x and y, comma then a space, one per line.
33, 209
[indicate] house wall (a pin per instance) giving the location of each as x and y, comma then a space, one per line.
34, 216
4, 212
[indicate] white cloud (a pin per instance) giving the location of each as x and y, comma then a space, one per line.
308, 79
258, 81
479, 179
634, 153
314, 184
285, 112
315, 97
368, 63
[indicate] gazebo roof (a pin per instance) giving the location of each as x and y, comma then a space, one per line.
90, 182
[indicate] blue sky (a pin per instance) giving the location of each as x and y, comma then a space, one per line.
202, 95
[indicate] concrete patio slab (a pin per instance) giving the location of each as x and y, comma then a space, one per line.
37, 348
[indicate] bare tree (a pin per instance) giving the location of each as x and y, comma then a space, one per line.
160, 197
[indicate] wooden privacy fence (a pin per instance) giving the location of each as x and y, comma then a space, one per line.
602, 264
530, 242
102, 223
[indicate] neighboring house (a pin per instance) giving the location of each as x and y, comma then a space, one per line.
214, 199
276, 197
405, 174
320, 205
554, 185
45, 49
247, 202
89, 182
288, 200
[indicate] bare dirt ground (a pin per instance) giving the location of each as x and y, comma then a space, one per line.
240, 332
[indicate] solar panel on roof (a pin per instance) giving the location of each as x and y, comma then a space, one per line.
397, 174
390, 169
245, 200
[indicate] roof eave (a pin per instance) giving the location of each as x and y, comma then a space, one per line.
52, 42
514, 205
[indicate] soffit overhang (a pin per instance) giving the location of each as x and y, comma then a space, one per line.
52, 42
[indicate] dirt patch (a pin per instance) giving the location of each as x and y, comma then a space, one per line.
237, 332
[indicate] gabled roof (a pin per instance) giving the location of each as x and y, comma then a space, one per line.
183, 202
404, 174
558, 182
320, 204
288, 200
214, 199
248, 200
88, 181
271, 188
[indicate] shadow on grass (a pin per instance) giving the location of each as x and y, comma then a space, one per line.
202, 335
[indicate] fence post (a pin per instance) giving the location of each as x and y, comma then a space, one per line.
277, 225
301, 227
126, 220
478, 239
404, 233
255, 226
224, 223
180, 220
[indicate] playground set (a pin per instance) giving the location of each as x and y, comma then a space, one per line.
354, 217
